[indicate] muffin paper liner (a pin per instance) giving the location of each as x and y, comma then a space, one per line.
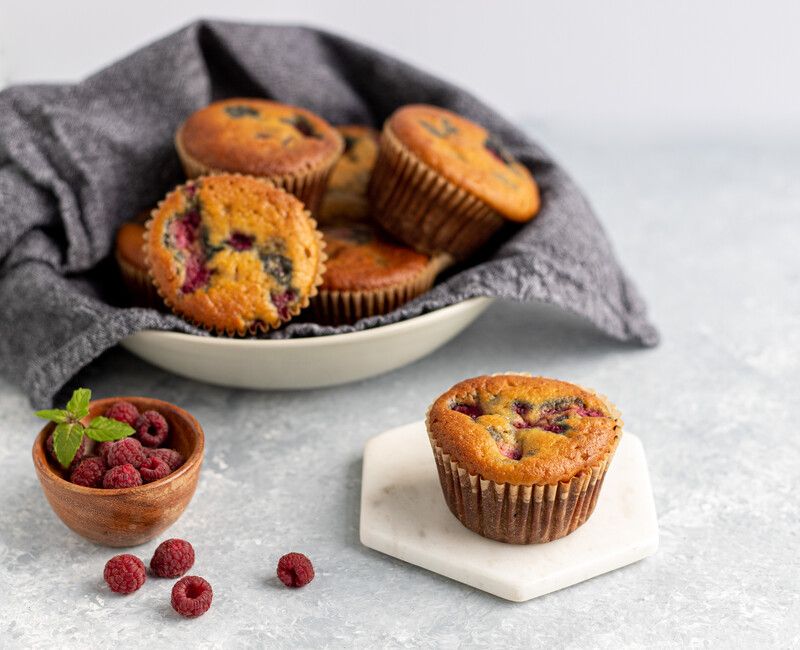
139, 285
253, 330
339, 307
307, 185
522, 514
422, 208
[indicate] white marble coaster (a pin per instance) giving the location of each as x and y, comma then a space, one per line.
403, 514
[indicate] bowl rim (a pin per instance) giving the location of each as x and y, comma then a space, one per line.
325, 339
42, 463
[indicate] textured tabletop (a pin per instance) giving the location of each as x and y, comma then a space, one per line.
710, 229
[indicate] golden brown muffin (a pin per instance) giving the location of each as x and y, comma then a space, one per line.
291, 146
367, 274
345, 199
234, 254
129, 253
521, 459
442, 182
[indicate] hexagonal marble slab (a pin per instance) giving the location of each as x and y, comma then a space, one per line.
403, 514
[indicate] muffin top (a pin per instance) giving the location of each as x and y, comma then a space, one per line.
468, 156
362, 259
234, 253
259, 137
523, 430
352, 171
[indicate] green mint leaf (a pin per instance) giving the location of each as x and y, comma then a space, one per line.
78, 405
104, 429
66, 440
54, 415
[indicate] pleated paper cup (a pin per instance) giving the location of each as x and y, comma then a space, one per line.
422, 208
522, 514
308, 185
330, 307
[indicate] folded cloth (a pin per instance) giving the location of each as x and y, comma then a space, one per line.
76, 160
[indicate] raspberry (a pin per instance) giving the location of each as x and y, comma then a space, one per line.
127, 451
172, 558
89, 473
169, 456
153, 468
124, 573
473, 410
191, 596
295, 570
78, 454
102, 449
122, 476
151, 429
123, 411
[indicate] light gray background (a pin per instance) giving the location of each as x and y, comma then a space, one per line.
703, 210
694, 62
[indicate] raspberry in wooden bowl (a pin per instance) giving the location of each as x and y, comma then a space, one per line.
522, 459
140, 511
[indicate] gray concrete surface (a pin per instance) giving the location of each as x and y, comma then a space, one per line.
710, 228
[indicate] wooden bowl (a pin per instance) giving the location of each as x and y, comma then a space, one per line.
125, 516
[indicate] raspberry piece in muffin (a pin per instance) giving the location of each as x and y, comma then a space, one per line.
234, 254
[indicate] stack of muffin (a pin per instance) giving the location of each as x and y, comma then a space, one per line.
237, 248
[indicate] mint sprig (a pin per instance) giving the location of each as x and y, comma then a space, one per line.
70, 430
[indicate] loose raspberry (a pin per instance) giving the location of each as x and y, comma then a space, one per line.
90, 472
123, 411
78, 454
191, 596
153, 468
172, 558
127, 451
151, 429
122, 476
295, 570
124, 573
169, 456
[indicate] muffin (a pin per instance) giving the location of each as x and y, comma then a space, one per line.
234, 254
522, 459
367, 274
129, 253
292, 147
345, 199
443, 183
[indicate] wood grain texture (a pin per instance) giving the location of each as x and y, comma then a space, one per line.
126, 516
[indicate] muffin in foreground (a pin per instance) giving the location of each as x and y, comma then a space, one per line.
129, 253
345, 199
444, 183
234, 254
368, 274
291, 146
522, 459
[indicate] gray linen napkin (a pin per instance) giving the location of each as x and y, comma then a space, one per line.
76, 160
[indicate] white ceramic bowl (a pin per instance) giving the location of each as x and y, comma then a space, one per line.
305, 362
